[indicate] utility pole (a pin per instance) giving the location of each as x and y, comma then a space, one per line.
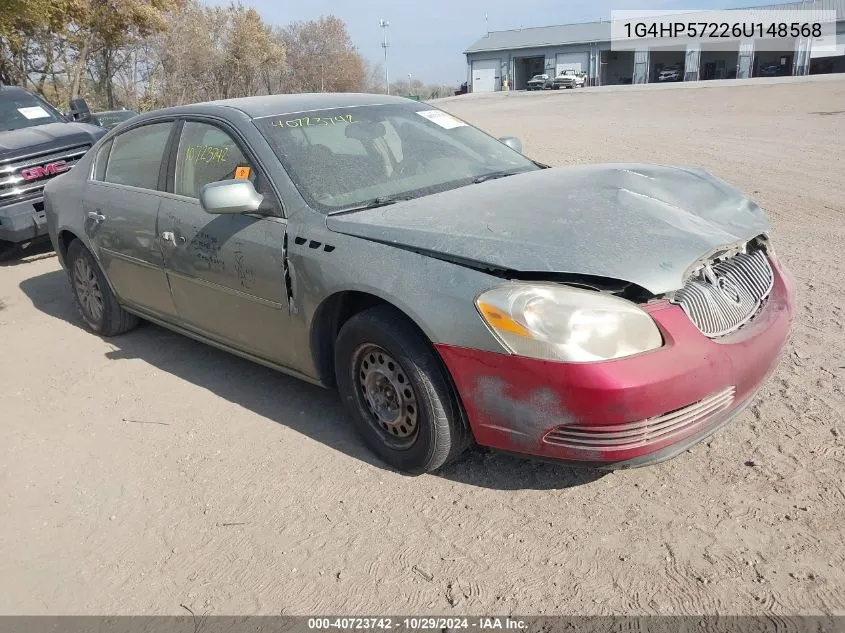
384, 24
409, 84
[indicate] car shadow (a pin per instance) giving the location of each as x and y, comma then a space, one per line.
305, 408
14, 255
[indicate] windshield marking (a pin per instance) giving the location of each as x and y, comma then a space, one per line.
308, 121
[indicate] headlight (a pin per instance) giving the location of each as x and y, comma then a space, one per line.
555, 322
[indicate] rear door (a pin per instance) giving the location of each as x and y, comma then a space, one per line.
121, 206
226, 272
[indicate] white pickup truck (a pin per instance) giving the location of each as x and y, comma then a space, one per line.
569, 79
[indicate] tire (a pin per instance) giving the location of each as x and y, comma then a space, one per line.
9, 250
92, 295
398, 393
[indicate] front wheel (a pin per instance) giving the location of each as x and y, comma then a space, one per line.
92, 295
397, 392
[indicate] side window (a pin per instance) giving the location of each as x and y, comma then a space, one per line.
208, 154
100, 161
135, 157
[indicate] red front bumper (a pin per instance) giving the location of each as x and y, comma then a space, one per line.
614, 413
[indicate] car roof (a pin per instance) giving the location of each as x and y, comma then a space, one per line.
269, 105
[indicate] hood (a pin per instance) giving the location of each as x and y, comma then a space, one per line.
30, 140
643, 224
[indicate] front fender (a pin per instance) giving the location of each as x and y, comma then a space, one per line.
436, 295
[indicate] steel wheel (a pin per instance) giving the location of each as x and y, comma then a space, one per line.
386, 396
88, 289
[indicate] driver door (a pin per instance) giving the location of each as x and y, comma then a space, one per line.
225, 271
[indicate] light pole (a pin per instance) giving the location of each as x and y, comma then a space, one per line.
409, 84
384, 24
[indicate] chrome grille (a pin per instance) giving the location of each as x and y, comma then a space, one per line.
634, 434
725, 295
13, 187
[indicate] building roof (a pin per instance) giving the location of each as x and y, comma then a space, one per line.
586, 32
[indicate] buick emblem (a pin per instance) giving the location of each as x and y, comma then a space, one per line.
728, 289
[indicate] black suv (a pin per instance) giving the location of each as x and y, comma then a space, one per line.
37, 142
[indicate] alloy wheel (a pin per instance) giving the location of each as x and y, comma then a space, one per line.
88, 289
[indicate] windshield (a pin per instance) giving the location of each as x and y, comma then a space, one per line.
20, 109
348, 157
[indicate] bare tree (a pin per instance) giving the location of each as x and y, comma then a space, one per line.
321, 57
146, 54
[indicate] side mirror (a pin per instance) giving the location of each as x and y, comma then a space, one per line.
230, 196
80, 111
512, 142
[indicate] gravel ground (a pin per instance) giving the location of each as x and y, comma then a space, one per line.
149, 471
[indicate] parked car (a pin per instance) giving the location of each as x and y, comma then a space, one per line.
112, 118
669, 74
37, 143
540, 82
430, 273
773, 70
569, 79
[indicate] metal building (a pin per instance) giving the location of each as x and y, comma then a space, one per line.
514, 56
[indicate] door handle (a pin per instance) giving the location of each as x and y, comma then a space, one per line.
96, 216
170, 236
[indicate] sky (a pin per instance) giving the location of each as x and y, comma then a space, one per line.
427, 38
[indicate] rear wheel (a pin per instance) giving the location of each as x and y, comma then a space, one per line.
397, 391
92, 295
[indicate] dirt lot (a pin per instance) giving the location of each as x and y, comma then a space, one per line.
149, 471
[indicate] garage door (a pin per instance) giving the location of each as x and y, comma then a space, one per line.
827, 46
572, 61
485, 75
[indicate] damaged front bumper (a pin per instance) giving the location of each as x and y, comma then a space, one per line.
628, 412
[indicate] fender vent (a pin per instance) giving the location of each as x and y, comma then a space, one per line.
313, 244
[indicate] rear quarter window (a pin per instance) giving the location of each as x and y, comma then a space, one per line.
101, 161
